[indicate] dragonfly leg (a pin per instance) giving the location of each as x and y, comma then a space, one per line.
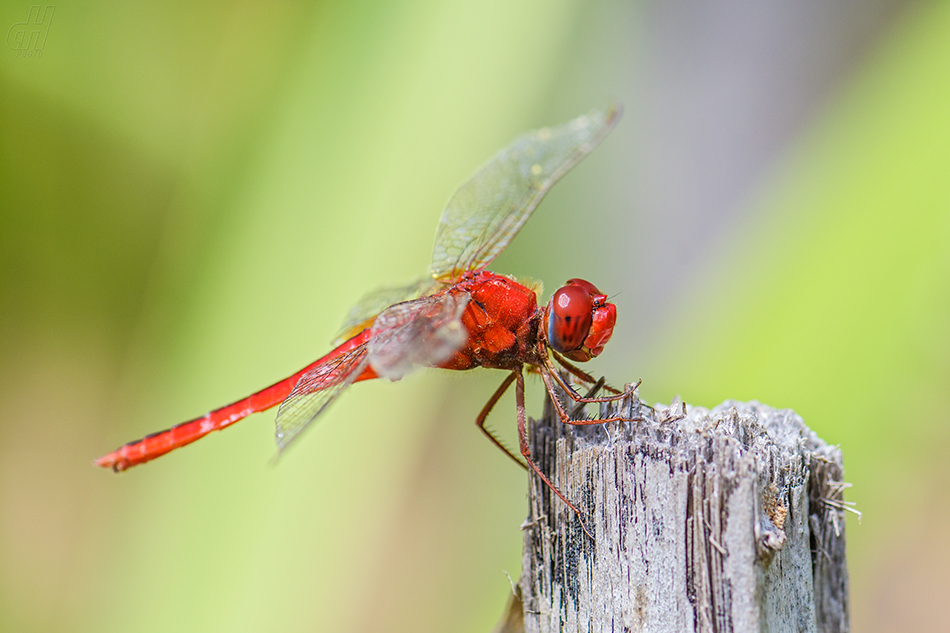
480, 421
580, 373
550, 370
526, 450
584, 376
592, 392
547, 377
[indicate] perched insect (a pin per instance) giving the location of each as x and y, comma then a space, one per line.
460, 317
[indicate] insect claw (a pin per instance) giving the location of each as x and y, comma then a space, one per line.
584, 527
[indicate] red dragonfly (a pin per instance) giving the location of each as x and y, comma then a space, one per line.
460, 317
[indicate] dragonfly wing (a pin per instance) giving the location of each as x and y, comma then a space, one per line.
362, 314
423, 332
486, 212
315, 391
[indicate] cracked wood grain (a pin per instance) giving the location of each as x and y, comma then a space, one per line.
728, 519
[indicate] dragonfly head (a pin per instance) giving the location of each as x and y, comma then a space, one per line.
580, 320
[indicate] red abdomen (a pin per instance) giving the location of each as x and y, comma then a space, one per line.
157, 444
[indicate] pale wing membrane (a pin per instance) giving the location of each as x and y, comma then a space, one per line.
486, 212
378, 300
424, 332
315, 391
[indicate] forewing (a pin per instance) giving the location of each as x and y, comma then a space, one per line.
314, 392
362, 314
423, 332
486, 212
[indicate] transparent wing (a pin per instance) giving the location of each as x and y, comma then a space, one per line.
362, 314
315, 391
487, 211
423, 332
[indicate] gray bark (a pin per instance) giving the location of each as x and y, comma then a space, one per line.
728, 519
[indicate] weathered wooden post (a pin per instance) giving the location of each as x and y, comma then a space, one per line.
728, 519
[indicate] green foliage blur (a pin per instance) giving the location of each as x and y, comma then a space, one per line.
191, 196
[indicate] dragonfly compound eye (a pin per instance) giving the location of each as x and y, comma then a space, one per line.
569, 320
588, 286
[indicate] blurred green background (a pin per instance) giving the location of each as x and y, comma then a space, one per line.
191, 196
